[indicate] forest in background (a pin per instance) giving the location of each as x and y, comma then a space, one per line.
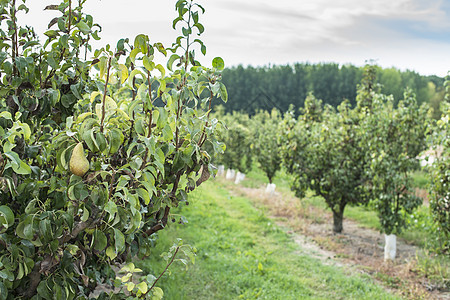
253, 88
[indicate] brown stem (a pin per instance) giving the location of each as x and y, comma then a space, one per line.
80, 226
160, 225
168, 265
104, 96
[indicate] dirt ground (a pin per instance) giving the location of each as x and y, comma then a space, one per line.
357, 249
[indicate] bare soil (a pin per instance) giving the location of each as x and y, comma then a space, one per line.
357, 249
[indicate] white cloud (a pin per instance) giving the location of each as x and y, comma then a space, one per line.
282, 31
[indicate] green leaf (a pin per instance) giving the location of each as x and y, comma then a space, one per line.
157, 293
123, 73
133, 54
94, 96
162, 118
20, 272
55, 96
223, 92
6, 115
103, 65
111, 253
88, 138
159, 160
161, 70
115, 140
119, 240
171, 60
175, 21
142, 287
132, 75
17, 164
148, 63
110, 107
218, 63
167, 133
160, 48
51, 33
111, 208
85, 215
43, 290
6, 217
24, 229
100, 240
101, 141
200, 28
84, 28
144, 195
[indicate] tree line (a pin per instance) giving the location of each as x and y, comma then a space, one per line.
278, 86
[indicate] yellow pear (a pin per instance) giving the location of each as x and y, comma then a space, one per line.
78, 163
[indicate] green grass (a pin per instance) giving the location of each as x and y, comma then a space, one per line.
256, 178
421, 179
417, 233
243, 255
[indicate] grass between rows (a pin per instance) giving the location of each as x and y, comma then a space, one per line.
243, 255
417, 233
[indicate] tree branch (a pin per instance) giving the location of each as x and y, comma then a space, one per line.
160, 225
168, 265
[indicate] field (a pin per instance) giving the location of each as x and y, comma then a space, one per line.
250, 246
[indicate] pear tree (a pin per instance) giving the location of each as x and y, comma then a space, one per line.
323, 153
90, 164
266, 146
394, 137
237, 136
440, 179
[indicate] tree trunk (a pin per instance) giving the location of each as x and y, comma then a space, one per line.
338, 217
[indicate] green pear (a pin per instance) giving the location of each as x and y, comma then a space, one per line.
78, 163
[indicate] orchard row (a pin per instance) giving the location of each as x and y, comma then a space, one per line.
362, 155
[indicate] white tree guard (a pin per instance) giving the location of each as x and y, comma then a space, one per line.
239, 177
390, 247
221, 170
230, 174
270, 189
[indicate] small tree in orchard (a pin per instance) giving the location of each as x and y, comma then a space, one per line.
394, 139
440, 179
90, 168
237, 138
324, 154
266, 148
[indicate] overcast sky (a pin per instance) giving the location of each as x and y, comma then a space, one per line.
406, 34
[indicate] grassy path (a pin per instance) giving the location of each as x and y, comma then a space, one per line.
243, 255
